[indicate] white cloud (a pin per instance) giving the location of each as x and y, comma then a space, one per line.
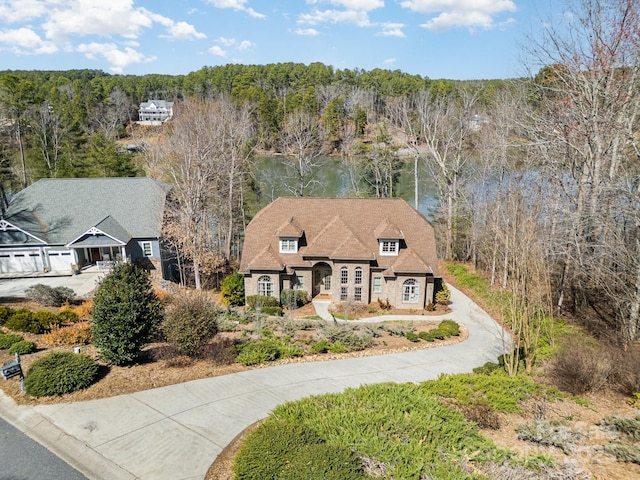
227, 42
308, 32
390, 29
184, 31
390, 62
239, 5
14, 11
24, 41
217, 51
244, 45
354, 12
460, 13
118, 59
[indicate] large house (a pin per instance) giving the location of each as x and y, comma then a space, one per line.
155, 112
346, 249
63, 224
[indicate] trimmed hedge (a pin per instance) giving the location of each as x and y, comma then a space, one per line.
255, 301
23, 347
60, 372
7, 339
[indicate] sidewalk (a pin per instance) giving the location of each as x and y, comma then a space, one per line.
176, 432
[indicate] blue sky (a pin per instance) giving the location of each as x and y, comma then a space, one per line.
456, 39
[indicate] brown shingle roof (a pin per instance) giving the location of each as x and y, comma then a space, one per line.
341, 229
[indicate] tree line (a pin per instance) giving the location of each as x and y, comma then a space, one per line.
538, 177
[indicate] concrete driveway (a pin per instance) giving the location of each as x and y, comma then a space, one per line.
82, 284
176, 432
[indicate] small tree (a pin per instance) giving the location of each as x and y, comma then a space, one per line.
232, 289
125, 311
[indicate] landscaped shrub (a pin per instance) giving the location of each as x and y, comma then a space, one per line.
5, 313
232, 289
23, 320
60, 372
323, 461
450, 328
190, 322
7, 339
49, 296
275, 311
266, 350
347, 338
84, 310
321, 346
47, 319
22, 348
291, 298
125, 312
67, 315
77, 334
412, 337
261, 301
269, 447
443, 295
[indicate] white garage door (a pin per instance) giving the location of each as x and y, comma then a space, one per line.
20, 261
60, 260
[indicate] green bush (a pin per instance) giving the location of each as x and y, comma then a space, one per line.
269, 448
49, 296
443, 295
261, 301
6, 340
60, 372
5, 313
266, 350
232, 289
348, 338
275, 311
293, 298
190, 322
321, 346
67, 315
412, 337
450, 328
22, 348
48, 319
323, 461
24, 320
125, 313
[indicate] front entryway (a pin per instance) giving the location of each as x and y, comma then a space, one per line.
321, 279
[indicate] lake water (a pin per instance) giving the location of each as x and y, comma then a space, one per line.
332, 179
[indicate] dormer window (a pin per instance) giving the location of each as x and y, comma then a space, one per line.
288, 245
389, 247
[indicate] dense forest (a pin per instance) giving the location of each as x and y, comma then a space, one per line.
538, 177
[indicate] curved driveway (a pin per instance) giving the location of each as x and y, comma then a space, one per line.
176, 432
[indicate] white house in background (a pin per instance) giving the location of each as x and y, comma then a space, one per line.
56, 223
155, 112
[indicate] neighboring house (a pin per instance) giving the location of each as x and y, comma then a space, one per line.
346, 249
155, 112
55, 224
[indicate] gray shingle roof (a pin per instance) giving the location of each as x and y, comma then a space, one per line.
60, 210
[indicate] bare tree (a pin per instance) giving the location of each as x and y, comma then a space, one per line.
302, 142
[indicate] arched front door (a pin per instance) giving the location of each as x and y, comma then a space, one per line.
321, 279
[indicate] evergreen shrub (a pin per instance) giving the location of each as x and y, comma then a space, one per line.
261, 301
60, 372
275, 311
190, 322
5, 313
22, 348
24, 320
8, 339
232, 289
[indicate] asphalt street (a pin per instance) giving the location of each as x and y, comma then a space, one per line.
24, 459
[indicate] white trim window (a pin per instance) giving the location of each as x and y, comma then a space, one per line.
357, 278
344, 276
357, 294
389, 247
288, 245
343, 294
410, 291
377, 284
265, 286
147, 249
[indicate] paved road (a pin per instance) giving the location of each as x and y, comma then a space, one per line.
82, 284
176, 432
23, 459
